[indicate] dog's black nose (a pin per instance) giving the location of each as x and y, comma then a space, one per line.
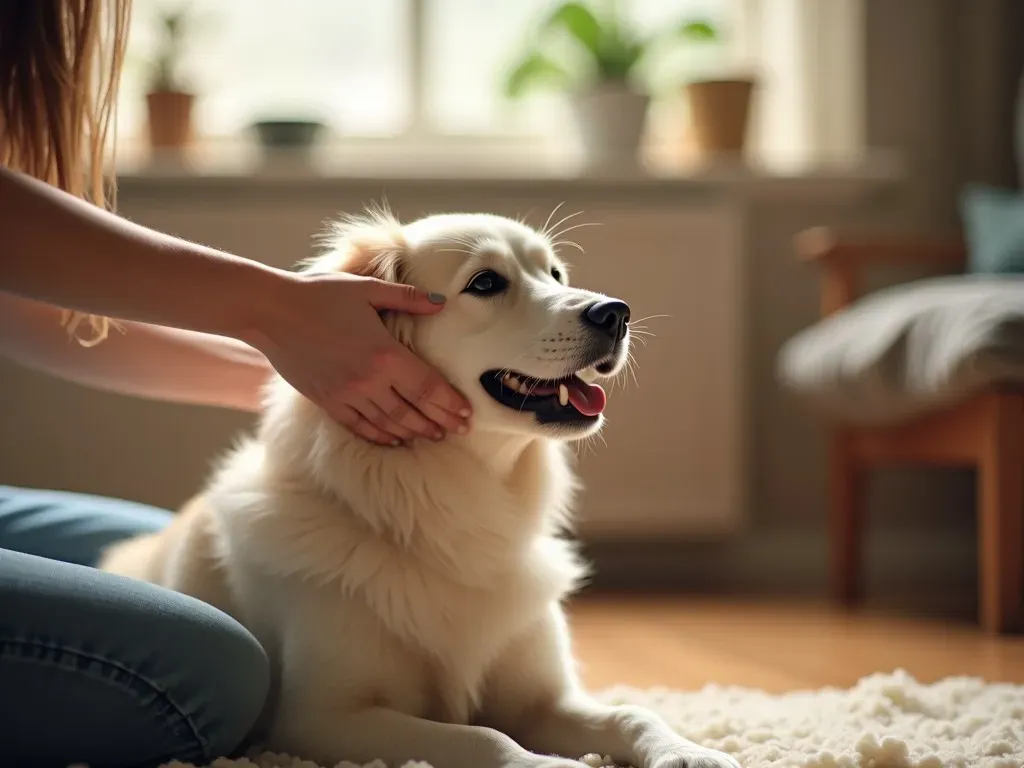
610, 316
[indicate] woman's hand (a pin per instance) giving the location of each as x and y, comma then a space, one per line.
322, 333
326, 338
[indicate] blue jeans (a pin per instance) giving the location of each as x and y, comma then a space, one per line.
104, 670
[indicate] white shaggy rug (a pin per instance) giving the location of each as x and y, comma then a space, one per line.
885, 721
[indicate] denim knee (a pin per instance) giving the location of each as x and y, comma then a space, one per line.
115, 673
237, 679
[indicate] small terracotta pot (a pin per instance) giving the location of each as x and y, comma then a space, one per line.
719, 115
170, 119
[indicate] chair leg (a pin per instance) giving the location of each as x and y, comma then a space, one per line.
845, 518
1001, 516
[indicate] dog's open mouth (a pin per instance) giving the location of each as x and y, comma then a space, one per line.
552, 400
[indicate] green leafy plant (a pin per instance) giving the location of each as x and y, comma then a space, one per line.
170, 52
612, 50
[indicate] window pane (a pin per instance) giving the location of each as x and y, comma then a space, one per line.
342, 61
471, 44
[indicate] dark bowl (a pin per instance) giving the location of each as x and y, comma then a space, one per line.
287, 134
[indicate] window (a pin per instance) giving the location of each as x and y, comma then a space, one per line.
423, 71
470, 43
341, 61
375, 68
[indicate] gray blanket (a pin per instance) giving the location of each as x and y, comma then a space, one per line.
906, 350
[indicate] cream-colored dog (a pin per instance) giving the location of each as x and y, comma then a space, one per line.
410, 598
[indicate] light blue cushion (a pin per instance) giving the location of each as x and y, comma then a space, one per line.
994, 227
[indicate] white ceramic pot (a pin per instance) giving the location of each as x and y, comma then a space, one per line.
611, 119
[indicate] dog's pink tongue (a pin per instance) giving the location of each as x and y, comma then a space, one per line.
588, 399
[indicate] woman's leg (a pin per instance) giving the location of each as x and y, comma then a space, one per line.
117, 673
72, 527
108, 671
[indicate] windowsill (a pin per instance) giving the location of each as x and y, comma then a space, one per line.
515, 164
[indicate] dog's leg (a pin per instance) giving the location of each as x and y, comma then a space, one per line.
397, 739
629, 735
340, 678
540, 702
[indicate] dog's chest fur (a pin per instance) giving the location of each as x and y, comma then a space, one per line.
462, 632
440, 571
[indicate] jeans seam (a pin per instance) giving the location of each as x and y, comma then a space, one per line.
200, 746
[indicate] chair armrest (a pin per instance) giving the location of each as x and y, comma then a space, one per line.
843, 259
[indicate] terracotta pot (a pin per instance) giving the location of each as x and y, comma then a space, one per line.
170, 119
719, 115
610, 120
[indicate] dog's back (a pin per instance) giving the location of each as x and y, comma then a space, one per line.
184, 556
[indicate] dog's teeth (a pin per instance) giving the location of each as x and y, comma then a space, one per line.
513, 383
563, 395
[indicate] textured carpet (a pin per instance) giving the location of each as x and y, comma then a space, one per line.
885, 721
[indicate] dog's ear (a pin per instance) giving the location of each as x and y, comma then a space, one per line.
371, 245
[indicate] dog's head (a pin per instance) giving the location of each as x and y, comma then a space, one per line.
525, 347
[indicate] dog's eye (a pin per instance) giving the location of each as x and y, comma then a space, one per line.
556, 273
486, 283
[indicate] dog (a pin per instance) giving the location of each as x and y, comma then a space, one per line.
410, 598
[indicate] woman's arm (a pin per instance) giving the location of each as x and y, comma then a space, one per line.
63, 251
146, 361
322, 333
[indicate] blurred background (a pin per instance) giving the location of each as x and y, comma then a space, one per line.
702, 141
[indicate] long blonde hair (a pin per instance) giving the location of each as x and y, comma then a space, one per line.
60, 66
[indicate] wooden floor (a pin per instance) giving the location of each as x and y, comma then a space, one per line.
685, 643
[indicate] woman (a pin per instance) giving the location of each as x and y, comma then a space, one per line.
93, 668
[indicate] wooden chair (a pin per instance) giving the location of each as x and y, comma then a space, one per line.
985, 432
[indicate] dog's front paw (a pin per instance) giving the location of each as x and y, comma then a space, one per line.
550, 762
694, 757
534, 760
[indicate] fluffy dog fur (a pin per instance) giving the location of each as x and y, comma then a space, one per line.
410, 598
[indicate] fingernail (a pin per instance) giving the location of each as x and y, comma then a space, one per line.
465, 413
436, 298
439, 435
395, 443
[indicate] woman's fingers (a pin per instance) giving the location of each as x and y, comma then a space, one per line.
400, 412
429, 393
403, 298
363, 427
448, 421
373, 413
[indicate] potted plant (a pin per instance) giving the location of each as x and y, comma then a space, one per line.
169, 102
719, 115
609, 103
288, 142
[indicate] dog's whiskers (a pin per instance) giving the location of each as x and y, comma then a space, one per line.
456, 250
547, 231
631, 366
567, 230
527, 394
645, 319
642, 334
544, 229
584, 446
572, 243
